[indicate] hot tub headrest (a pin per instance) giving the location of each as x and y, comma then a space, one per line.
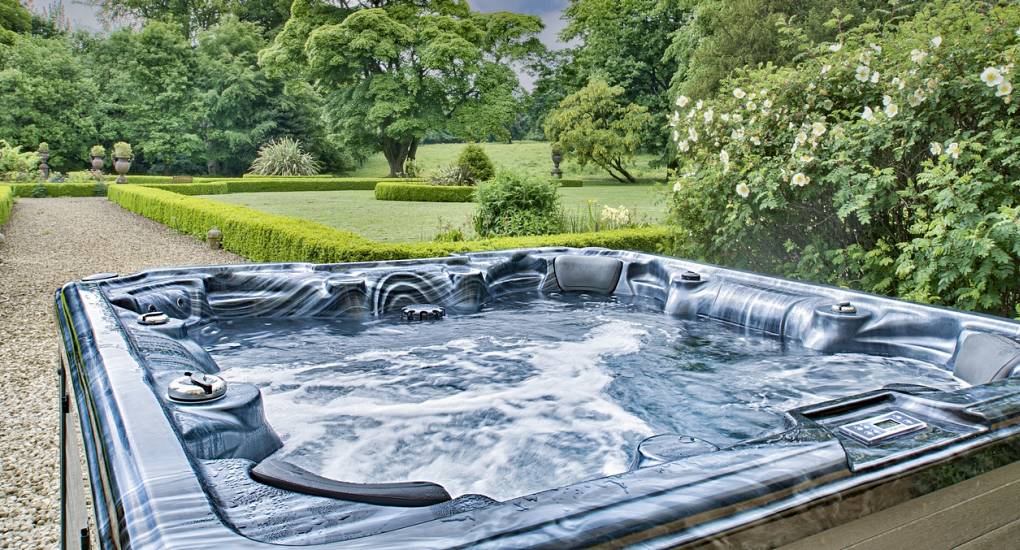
986, 358
587, 273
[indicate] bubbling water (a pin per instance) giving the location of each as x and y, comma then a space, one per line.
524, 396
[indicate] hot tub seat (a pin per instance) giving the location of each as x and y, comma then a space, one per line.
283, 474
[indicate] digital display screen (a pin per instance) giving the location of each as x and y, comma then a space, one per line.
887, 424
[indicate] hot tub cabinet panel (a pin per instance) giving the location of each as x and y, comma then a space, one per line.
168, 473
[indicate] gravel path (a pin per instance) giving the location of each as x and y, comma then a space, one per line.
48, 243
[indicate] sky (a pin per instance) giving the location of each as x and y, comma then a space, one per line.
84, 16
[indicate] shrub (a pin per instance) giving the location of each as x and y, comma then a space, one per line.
97, 151
475, 164
122, 150
512, 205
451, 175
6, 203
399, 191
54, 189
599, 217
15, 164
569, 183
43, 147
191, 188
269, 185
265, 237
284, 157
886, 161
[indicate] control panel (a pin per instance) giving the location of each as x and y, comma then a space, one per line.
877, 429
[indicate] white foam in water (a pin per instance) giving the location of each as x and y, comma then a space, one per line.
526, 397
521, 429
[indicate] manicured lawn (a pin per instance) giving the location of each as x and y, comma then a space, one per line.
528, 157
394, 221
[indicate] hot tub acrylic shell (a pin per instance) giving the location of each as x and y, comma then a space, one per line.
170, 475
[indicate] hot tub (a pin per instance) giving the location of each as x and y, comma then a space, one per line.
534, 398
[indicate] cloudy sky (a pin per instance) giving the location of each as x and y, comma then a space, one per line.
83, 15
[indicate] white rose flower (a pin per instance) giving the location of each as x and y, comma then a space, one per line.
676, 135
886, 100
827, 105
737, 134
767, 103
699, 104
724, 157
936, 41
799, 180
876, 47
755, 140
891, 110
868, 114
692, 134
1004, 89
737, 117
917, 56
801, 138
682, 101
874, 77
835, 47
954, 150
818, 129
743, 190
739, 94
751, 106
708, 116
916, 98
862, 73
898, 82
935, 148
826, 68
725, 117
683, 146
677, 187
991, 76
806, 158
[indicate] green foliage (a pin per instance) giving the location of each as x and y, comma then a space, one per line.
596, 217
511, 205
569, 182
14, 19
476, 164
623, 42
97, 151
266, 185
14, 162
6, 203
592, 126
43, 147
393, 191
190, 188
122, 150
284, 157
47, 96
264, 237
191, 16
888, 163
53, 189
397, 70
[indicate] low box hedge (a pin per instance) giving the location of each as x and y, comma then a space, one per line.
61, 189
6, 203
394, 191
275, 185
204, 188
569, 183
265, 237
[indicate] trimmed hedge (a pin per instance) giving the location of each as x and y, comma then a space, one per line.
6, 203
569, 183
209, 188
265, 237
60, 189
274, 185
392, 191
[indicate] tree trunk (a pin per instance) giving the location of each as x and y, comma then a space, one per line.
396, 153
412, 153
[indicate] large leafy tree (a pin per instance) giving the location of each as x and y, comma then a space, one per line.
47, 96
194, 16
593, 125
393, 72
623, 42
14, 19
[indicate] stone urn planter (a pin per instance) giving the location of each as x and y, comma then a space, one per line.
121, 165
97, 164
557, 158
44, 168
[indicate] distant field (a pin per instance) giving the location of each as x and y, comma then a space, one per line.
528, 157
393, 221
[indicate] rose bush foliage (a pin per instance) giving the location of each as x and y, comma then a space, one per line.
887, 161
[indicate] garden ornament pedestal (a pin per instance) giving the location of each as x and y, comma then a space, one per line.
213, 237
121, 165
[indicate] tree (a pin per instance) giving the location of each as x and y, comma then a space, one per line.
592, 125
623, 42
194, 16
47, 96
394, 72
14, 19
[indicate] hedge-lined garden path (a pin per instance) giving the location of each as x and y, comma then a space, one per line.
48, 243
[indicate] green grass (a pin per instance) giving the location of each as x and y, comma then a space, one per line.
531, 158
392, 221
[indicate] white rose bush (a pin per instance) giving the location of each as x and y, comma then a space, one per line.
888, 160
